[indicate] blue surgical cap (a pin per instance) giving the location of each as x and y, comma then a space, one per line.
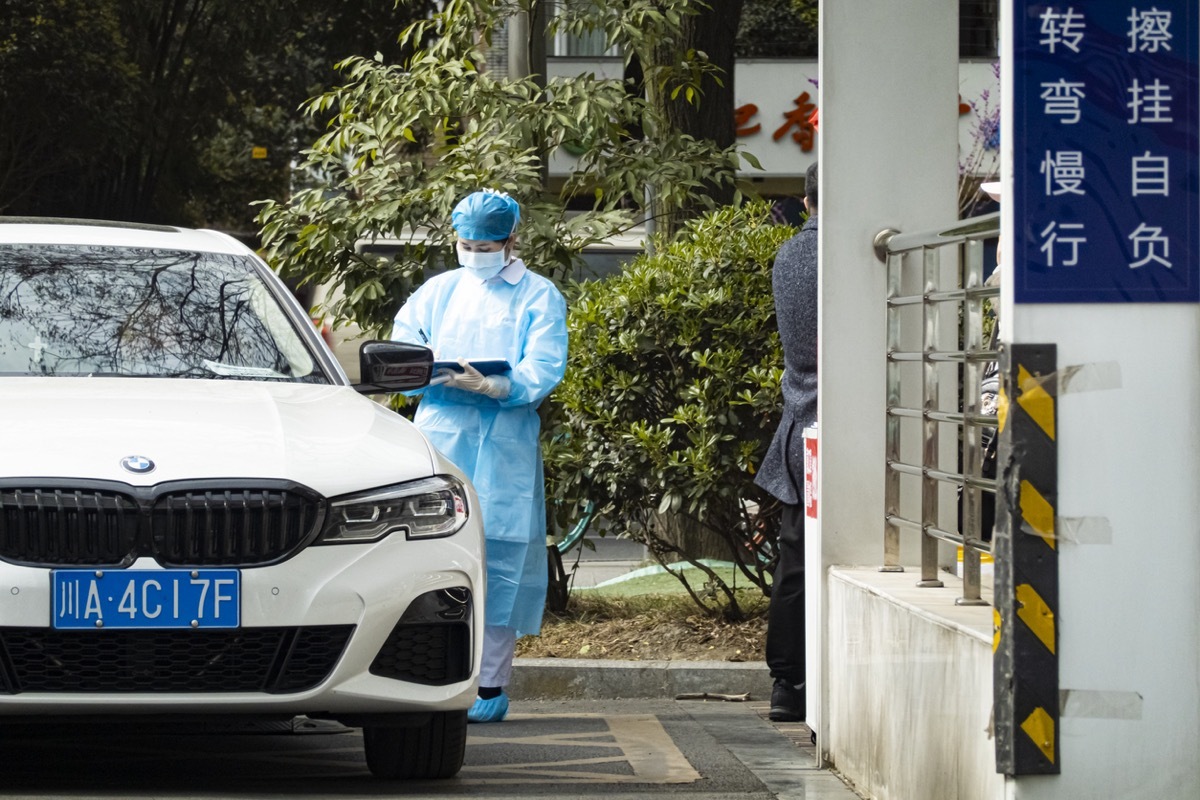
486, 215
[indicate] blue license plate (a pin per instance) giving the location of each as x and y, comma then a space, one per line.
146, 598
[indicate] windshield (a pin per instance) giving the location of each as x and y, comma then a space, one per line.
68, 310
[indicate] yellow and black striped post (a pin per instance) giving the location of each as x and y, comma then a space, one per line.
1025, 648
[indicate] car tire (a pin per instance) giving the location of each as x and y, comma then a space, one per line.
433, 750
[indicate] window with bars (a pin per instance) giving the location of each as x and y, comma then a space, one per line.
588, 44
978, 28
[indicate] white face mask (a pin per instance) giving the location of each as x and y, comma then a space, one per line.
482, 265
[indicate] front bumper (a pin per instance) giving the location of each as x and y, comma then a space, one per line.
365, 589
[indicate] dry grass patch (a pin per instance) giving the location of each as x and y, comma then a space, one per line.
648, 627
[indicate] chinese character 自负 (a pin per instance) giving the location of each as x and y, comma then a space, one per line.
1150, 237
1149, 175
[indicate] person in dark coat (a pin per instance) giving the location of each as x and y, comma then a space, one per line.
794, 280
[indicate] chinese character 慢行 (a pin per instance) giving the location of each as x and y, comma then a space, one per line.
1064, 172
1051, 238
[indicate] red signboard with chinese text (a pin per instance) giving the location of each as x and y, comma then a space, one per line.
810, 474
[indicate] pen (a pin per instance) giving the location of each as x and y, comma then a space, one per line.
424, 338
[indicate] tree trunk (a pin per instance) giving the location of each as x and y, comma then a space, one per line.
711, 31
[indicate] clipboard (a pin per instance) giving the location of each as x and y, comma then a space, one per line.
486, 366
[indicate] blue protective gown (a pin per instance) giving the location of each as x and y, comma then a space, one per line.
522, 317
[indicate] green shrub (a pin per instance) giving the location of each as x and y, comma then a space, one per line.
671, 397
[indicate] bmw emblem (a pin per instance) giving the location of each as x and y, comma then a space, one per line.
138, 465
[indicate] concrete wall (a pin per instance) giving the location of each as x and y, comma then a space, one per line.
914, 674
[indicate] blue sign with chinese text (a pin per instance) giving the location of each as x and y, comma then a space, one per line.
1105, 156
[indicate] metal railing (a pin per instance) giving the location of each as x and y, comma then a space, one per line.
935, 363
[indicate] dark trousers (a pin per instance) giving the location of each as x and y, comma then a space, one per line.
785, 617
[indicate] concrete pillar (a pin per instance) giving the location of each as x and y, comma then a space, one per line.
888, 153
1129, 523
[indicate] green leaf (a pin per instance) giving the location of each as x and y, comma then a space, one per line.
751, 159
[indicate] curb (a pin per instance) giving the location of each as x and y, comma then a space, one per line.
603, 679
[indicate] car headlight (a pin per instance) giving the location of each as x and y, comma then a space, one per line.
426, 509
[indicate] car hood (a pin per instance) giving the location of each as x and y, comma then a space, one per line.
328, 438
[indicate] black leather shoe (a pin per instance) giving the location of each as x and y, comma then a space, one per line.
787, 702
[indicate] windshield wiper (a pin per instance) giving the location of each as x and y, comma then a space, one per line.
234, 371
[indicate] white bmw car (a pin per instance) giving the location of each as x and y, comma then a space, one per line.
199, 515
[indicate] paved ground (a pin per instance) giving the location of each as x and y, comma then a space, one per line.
608, 558
566, 737
696, 750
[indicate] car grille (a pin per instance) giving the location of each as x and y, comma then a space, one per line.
434, 654
270, 660
177, 524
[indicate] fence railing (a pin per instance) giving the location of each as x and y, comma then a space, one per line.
936, 358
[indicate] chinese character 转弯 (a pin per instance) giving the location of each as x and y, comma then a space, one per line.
1150, 103
1051, 239
1062, 99
1149, 175
1149, 30
1150, 237
1065, 28
1064, 172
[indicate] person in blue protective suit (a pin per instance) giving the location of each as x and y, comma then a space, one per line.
493, 306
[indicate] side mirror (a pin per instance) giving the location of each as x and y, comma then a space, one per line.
388, 367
